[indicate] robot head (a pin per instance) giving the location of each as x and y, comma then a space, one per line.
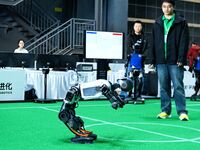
125, 84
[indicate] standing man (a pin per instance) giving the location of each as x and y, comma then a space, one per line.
169, 55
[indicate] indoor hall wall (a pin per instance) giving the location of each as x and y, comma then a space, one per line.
63, 10
69, 8
116, 18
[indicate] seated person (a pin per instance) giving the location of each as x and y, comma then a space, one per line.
21, 48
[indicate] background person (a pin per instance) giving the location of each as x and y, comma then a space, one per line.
21, 48
192, 55
137, 44
194, 65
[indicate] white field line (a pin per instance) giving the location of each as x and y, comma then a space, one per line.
32, 107
132, 128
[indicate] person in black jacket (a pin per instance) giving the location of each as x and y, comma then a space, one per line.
169, 55
137, 42
137, 45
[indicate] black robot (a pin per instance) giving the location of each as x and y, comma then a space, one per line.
67, 112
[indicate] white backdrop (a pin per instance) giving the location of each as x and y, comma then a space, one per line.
12, 84
189, 82
59, 82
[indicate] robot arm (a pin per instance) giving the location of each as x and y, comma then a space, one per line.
112, 96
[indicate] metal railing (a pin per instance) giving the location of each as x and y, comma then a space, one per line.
10, 2
37, 36
37, 17
62, 39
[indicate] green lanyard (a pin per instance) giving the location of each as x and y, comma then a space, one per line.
167, 25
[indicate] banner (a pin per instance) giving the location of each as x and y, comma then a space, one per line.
12, 84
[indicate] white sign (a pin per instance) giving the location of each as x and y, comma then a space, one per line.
103, 45
12, 84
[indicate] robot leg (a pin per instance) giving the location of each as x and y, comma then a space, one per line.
140, 84
75, 124
139, 99
195, 96
197, 86
137, 79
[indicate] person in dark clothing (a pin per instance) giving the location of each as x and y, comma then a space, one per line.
169, 55
137, 42
137, 45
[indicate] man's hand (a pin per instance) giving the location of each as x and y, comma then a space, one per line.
180, 64
151, 66
190, 69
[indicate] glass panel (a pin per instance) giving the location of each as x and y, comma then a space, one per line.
151, 9
151, 13
151, 3
131, 10
140, 12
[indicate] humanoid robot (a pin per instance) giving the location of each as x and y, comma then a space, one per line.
96, 88
134, 71
196, 70
135, 66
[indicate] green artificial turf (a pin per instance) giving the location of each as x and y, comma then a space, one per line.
35, 126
